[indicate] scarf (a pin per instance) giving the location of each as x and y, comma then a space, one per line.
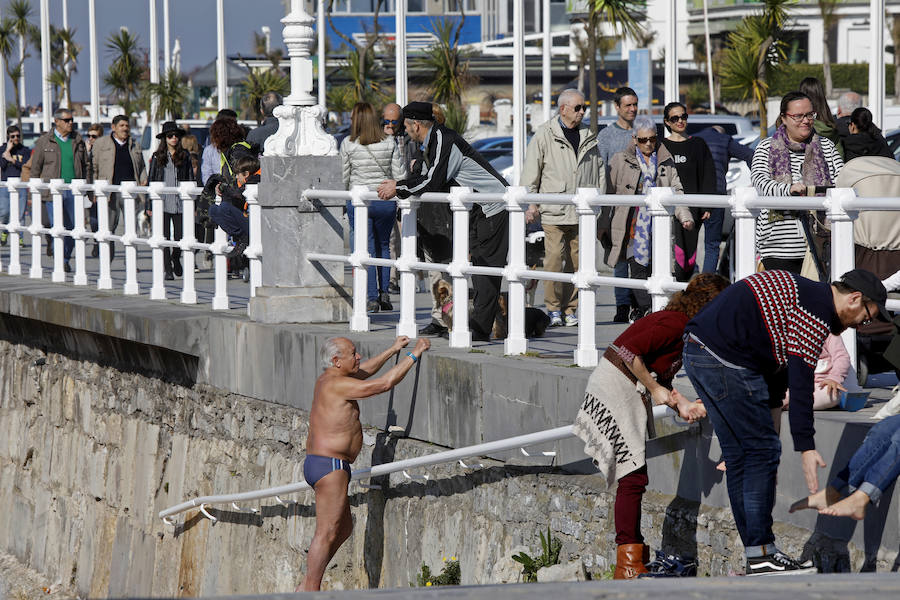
814, 170
640, 241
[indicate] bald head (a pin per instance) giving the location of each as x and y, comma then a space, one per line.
393, 113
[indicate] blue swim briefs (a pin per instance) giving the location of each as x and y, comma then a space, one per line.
316, 467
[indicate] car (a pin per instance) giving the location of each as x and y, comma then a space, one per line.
893, 140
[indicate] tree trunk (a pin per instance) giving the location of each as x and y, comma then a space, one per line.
592, 66
826, 61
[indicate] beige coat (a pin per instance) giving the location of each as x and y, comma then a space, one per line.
45, 162
625, 178
104, 152
553, 167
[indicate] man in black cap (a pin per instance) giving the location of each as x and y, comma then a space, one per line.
759, 337
449, 161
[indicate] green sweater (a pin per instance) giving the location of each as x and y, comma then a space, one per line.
66, 159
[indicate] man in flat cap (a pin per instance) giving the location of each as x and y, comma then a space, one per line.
449, 161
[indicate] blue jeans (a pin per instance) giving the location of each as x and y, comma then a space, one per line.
737, 403
623, 295
712, 237
4, 205
68, 202
876, 465
381, 220
230, 218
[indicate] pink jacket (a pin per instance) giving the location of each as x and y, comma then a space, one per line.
834, 362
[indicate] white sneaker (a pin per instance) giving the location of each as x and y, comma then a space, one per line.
891, 407
571, 320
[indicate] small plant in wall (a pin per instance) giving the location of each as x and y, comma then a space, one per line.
550, 548
449, 575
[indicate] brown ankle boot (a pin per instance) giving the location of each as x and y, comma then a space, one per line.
629, 561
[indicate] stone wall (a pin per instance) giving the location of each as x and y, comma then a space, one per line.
93, 446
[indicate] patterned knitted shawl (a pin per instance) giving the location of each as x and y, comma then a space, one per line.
814, 170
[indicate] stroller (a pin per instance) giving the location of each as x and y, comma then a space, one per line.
877, 249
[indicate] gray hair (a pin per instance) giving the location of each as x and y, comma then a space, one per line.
643, 122
849, 101
60, 112
566, 96
328, 351
269, 101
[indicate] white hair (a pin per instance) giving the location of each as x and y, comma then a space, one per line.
328, 351
849, 101
643, 122
566, 96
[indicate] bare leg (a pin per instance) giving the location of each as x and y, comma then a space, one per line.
820, 500
333, 527
853, 506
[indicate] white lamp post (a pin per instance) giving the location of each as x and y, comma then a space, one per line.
402, 92
876, 61
221, 69
518, 90
95, 75
46, 96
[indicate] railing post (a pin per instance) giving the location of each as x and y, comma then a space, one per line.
131, 284
58, 275
407, 324
586, 354
460, 336
79, 232
515, 342
359, 320
843, 255
36, 271
744, 257
220, 268
15, 210
188, 288
661, 269
254, 249
158, 289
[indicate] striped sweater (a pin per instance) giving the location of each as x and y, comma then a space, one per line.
774, 323
785, 238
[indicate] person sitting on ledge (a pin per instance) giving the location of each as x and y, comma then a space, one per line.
872, 470
335, 438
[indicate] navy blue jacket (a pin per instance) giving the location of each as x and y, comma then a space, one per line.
13, 168
723, 148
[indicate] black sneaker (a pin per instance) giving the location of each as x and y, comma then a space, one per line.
621, 313
778, 564
433, 329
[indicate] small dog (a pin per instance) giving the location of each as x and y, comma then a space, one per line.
142, 223
536, 320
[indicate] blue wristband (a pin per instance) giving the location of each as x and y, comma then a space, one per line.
412, 356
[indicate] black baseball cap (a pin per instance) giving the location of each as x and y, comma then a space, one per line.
418, 111
870, 286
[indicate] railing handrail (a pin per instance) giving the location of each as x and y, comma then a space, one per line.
447, 456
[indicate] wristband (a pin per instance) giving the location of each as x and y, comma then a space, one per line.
412, 356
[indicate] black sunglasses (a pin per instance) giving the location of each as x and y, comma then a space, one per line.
651, 139
677, 118
93, 136
171, 134
69, 120
868, 314
390, 121
579, 107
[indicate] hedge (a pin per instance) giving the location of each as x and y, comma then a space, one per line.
843, 76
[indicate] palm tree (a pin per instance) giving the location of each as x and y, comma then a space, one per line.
21, 24
126, 71
13, 67
447, 66
171, 94
63, 61
624, 17
259, 83
754, 51
829, 21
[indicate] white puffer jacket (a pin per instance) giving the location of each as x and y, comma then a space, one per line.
370, 165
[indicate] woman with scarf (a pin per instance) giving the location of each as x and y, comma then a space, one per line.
697, 172
635, 372
794, 161
643, 165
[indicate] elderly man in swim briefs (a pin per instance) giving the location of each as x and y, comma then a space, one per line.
335, 438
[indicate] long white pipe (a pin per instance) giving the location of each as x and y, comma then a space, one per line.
222, 72
322, 58
2, 94
709, 73
671, 77
95, 69
65, 11
518, 90
546, 73
402, 91
47, 90
154, 68
876, 61
167, 52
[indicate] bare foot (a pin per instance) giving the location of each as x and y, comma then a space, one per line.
819, 500
853, 506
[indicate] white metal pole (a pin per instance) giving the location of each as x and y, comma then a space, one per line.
320, 25
876, 61
167, 52
518, 90
95, 75
709, 73
545, 66
153, 117
222, 72
671, 53
400, 84
3, 99
45, 64
65, 11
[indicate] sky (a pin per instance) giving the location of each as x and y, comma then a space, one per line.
193, 22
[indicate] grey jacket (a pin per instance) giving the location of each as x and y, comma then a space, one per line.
553, 167
370, 165
105, 159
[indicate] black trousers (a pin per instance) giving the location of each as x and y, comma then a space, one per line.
488, 246
171, 256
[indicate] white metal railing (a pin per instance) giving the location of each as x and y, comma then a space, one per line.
130, 239
842, 206
448, 456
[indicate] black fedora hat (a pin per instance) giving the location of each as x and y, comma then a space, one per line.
170, 127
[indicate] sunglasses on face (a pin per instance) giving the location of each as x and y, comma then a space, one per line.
69, 120
93, 136
868, 318
676, 118
171, 135
14, 135
644, 140
390, 122
579, 107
